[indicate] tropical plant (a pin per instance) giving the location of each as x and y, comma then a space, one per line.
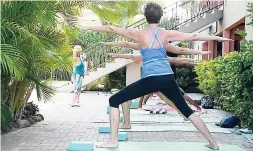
34, 42
6, 115
118, 13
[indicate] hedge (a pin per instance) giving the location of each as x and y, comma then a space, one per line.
186, 79
229, 80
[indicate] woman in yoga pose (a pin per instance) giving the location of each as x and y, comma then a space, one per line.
173, 61
157, 74
172, 51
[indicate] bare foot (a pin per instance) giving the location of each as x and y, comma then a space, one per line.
77, 104
212, 146
109, 144
198, 110
125, 126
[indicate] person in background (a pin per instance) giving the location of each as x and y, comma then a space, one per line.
78, 74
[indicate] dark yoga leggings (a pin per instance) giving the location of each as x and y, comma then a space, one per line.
166, 84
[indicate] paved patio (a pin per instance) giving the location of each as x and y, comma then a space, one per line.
63, 124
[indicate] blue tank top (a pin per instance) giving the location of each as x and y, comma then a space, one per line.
154, 60
80, 68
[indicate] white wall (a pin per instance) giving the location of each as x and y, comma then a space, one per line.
249, 29
234, 11
133, 73
197, 45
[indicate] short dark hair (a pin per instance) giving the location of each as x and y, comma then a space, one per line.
153, 13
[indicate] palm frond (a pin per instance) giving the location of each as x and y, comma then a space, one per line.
44, 91
6, 115
13, 61
16, 32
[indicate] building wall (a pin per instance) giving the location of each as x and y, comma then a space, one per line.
249, 29
231, 19
233, 11
198, 45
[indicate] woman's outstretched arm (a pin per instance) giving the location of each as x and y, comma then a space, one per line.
185, 51
181, 61
172, 60
170, 48
173, 35
135, 58
128, 33
123, 44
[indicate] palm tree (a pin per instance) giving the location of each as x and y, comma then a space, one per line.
33, 42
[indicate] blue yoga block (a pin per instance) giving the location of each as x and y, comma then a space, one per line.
81, 146
108, 109
122, 136
121, 119
134, 104
104, 129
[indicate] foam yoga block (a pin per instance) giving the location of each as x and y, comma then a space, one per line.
81, 146
122, 136
134, 104
108, 109
104, 129
121, 119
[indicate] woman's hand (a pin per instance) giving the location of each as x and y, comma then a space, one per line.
221, 39
205, 52
112, 55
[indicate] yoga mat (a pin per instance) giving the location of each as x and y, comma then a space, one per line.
165, 107
167, 146
166, 119
160, 128
143, 112
161, 119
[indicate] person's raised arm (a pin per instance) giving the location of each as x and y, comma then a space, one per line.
123, 44
184, 51
135, 58
173, 35
181, 61
128, 33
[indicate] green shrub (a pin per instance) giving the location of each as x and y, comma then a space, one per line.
116, 79
95, 85
186, 79
229, 80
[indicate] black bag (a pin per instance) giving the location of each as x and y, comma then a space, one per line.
207, 102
